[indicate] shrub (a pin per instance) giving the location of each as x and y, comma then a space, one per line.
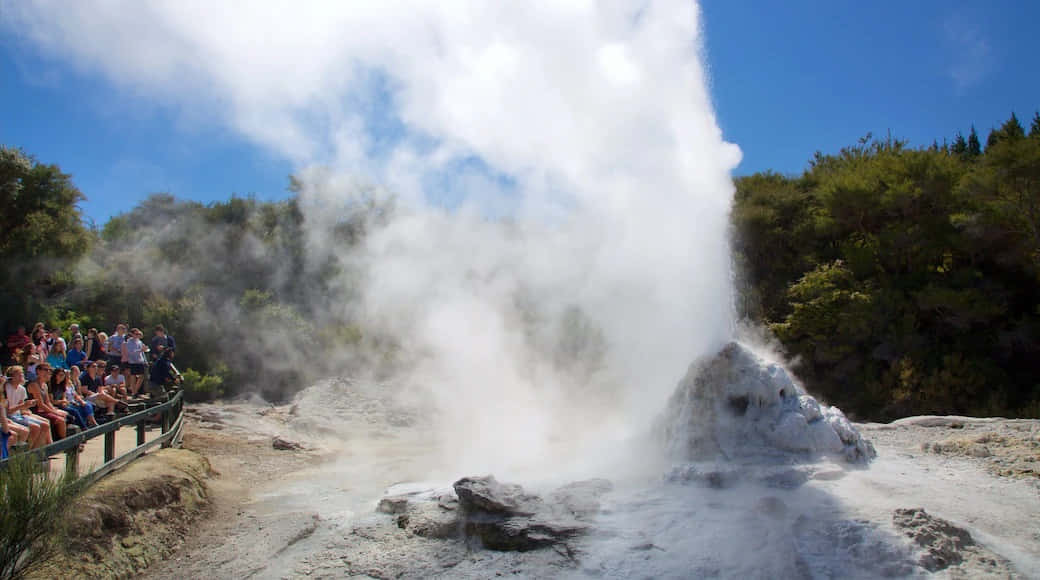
33, 507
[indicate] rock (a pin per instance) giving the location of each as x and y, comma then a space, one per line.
485, 494
392, 505
285, 444
947, 546
738, 405
430, 520
520, 534
504, 517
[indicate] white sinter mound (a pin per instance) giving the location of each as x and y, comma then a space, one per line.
737, 405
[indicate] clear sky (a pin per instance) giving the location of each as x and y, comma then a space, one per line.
787, 79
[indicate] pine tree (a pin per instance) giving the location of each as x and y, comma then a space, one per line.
974, 147
1012, 129
960, 146
1034, 129
992, 139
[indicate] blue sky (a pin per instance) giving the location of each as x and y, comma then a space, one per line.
787, 79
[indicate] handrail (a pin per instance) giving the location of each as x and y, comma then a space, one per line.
171, 435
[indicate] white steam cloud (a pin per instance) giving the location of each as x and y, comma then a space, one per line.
564, 187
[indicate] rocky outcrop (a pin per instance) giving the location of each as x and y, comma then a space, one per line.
738, 405
498, 516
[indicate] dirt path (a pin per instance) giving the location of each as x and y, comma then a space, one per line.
233, 541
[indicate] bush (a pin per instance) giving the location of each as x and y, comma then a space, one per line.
200, 387
33, 506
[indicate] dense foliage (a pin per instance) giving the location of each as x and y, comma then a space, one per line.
253, 297
905, 281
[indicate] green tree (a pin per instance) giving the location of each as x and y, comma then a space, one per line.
43, 234
974, 146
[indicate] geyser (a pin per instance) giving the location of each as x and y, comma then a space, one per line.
559, 253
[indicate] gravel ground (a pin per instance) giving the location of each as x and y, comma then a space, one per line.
309, 512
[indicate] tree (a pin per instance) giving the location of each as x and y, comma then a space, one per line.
974, 146
41, 232
960, 146
1034, 128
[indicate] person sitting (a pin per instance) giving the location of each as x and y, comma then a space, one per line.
11, 433
56, 355
65, 397
18, 341
92, 389
76, 354
18, 405
116, 383
40, 390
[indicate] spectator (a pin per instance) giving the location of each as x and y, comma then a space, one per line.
92, 389
38, 333
76, 354
43, 345
74, 333
40, 390
115, 383
163, 373
134, 352
11, 433
32, 360
94, 347
18, 405
114, 347
57, 354
18, 341
161, 341
64, 395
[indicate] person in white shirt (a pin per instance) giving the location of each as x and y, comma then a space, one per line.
115, 383
134, 351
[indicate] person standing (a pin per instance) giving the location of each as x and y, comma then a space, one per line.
94, 347
74, 333
163, 373
134, 352
114, 347
161, 341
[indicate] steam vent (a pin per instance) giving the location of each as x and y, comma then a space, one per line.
736, 405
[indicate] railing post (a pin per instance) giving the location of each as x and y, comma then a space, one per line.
72, 461
110, 446
140, 433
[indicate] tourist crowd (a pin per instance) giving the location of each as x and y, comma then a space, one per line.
54, 384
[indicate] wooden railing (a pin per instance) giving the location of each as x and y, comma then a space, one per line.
171, 421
